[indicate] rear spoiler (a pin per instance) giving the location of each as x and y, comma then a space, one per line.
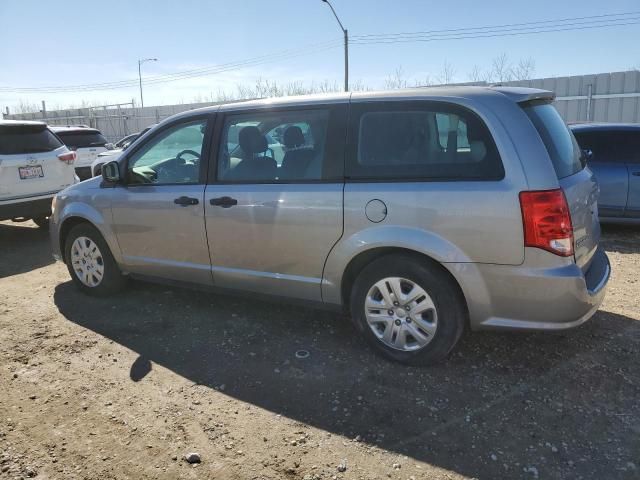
525, 95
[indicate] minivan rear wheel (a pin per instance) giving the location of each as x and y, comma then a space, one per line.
407, 309
90, 262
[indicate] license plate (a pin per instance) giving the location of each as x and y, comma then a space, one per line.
30, 172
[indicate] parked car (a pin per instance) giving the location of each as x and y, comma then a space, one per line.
34, 166
126, 140
120, 146
87, 142
613, 153
416, 234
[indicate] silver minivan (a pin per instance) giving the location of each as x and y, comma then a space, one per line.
420, 212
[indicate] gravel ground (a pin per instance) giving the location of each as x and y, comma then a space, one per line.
125, 387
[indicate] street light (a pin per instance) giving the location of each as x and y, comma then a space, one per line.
140, 62
346, 47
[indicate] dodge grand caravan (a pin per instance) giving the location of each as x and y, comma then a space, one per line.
420, 212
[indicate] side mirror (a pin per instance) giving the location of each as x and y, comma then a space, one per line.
108, 146
111, 172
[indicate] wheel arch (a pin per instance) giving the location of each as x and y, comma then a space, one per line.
361, 260
66, 227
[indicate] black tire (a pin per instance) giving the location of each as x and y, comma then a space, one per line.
113, 280
42, 222
444, 292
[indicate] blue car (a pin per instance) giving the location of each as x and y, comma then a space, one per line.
613, 154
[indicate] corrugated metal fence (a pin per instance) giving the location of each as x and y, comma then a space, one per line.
603, 97
114, 121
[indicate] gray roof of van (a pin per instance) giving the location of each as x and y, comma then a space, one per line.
516, 94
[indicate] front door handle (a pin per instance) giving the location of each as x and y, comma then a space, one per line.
635, 174
224, 202
186, 201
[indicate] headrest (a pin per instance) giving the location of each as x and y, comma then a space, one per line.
293, 137
251, 140
478, 150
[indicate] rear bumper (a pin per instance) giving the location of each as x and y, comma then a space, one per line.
26, 209
525, 298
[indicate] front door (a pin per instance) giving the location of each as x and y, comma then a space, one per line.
274, 204
630, 152
158, 213
609, 169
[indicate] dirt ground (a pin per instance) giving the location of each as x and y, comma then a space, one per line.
123, 388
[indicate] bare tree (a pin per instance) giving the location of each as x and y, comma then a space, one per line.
356, 86
477, 75
423, 82
396, 80
447, 74
501, 70
26, 107
525, 69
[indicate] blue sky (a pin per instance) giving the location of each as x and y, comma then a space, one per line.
71, 42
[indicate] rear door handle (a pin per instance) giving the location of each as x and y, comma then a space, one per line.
185, 201
224, 202
635, 174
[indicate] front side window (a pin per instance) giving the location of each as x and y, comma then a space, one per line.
430, 142
273, 147
171, 157
599, 143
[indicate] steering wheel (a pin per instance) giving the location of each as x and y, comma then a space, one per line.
190, 152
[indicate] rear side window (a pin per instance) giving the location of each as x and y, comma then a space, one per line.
421, 141
16, 139
276, 146
81, 139
561, 145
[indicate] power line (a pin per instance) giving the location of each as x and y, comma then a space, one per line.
491, 34
468, 29
490, 31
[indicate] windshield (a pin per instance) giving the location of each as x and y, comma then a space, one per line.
562, 146
17, 139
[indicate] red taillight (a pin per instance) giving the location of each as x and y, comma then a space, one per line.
67, 158
547, 221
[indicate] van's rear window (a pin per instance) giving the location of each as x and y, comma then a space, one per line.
17, 139
75, 139
562, 146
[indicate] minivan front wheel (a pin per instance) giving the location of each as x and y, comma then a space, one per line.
408, 310
90, 263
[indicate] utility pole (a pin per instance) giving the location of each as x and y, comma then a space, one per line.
140, 62
346, 46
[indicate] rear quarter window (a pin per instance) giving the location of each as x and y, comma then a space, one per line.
560, 143
82, 139
17, 139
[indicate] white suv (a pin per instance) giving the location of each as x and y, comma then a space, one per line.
34, 166
86, 142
